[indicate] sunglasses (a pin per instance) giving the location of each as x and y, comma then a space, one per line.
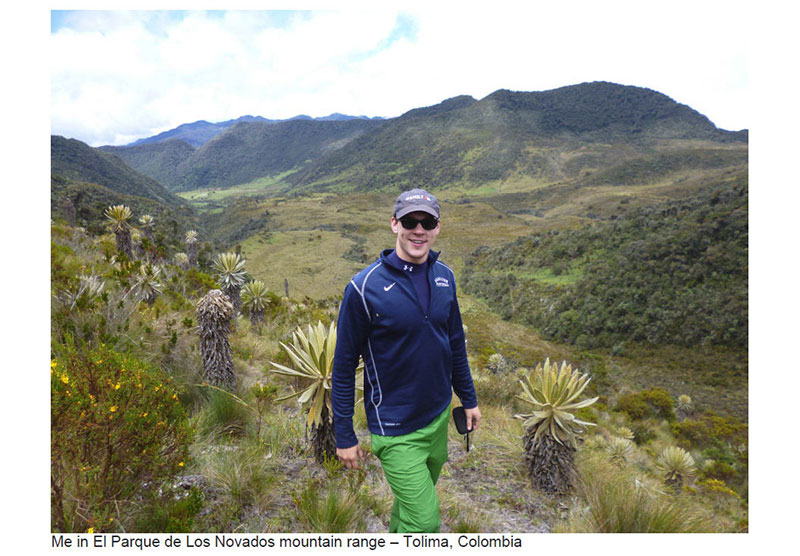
411, 223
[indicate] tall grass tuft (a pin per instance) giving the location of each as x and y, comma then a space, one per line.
222, 414
336, 507
619, 503
240, 478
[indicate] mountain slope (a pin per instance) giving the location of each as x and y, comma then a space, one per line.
75, 161
544, 136
159, 161
197, 133
200, 132
244, 152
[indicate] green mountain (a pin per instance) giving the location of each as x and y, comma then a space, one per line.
75, 161
564, 134
160, 161
244, 152
85, 181
199, 133
592, 133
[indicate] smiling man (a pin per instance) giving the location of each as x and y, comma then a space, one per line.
401, 316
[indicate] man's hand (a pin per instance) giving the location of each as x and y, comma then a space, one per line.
473, 418
351, 456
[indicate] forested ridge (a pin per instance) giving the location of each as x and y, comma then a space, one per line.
673, 273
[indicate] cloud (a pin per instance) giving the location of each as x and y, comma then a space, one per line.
117, 76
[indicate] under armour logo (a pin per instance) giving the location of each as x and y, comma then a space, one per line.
408, 268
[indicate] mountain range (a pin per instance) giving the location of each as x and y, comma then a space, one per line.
545, 136
200, 132
590, 134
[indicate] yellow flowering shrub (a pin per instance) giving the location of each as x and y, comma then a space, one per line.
116, 424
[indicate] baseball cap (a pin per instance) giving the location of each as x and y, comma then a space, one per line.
414, 201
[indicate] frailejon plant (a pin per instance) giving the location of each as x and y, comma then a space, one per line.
255, 300
191, 247
182, 261
619, 449
214, 313
118, 217
231, 275
676, 464
146, 221
147, 287
552, 430
116, 424
311, 355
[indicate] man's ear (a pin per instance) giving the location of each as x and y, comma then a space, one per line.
394, 223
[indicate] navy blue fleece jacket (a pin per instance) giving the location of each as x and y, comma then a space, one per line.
412, 357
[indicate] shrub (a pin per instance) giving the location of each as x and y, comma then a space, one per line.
633, 405
653, 402
199, 283
115, 424
170, 510
662, 403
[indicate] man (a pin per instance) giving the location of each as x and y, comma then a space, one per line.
401, 315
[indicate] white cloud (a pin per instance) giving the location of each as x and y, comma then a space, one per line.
121, 75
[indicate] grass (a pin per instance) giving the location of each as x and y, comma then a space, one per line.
618, 502
260, 186
241, 478
339, 505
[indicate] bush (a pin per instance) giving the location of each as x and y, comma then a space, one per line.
116, 423
662, 403
170, 511
633, 405
653, 402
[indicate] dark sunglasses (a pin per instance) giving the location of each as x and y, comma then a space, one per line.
411, 223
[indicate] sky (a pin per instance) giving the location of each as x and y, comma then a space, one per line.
116, 76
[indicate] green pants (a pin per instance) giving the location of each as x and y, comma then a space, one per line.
411, 463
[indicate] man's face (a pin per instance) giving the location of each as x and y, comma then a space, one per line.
413, 245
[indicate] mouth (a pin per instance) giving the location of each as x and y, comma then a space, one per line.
418, 242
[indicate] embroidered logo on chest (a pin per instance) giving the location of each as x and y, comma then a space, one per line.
442, 282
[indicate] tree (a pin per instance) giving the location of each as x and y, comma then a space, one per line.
552, 430
214, 312
231, 274
255, 299
118, 217
311, 354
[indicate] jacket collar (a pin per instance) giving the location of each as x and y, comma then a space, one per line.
432, 256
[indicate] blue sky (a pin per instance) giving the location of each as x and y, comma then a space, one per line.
117, 76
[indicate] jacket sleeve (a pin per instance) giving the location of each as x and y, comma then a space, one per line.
352, 330
462, 378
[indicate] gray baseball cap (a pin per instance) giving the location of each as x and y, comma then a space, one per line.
416, 200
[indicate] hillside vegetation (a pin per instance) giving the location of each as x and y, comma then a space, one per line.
241, 153
563, 134
186, 456
74, 161
670, 273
